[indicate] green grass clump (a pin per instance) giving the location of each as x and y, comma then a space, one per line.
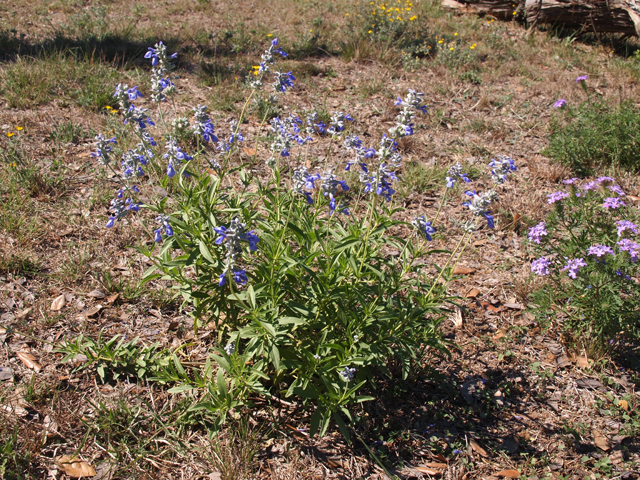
595, 135
28, 82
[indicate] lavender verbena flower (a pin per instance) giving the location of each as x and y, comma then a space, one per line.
616, 189
348, 373
424, 227
329, 188
501, 168
624, 225
165, 227
336, 125
540, 266
302, 181
626, 245
103, 149
202, 124
454, 173
560, 103
604, 180
283, 81
581, 78
590, 186
535, 233
230, 348
479, 204
174, 155
573, 266
612, 202
570, 181
600, 250
556, 196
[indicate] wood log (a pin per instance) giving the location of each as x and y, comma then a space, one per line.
599, 16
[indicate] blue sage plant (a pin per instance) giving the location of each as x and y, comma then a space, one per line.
586, 253
291, 266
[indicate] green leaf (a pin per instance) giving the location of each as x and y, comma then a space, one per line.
180, 389
343, 428
221, 382
315, 422
204, 250
291, 320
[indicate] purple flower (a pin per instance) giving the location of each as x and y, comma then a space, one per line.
540, 266
589, 186
556, 196
616, 189
570, 181
626, 225
424, 227
165, 227
560, 103
620, 273
283, 81
536, 232
581, 78
239, 277
612, 202
626, 245
573, 266
601, 180
600, 250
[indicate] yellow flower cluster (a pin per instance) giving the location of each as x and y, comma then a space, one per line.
10, 134
399, 11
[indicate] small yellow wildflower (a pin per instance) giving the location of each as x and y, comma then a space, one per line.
370, 31
440, 41
347, 14
311, 30
515, 13
455, 34
269, 34
19, 128
451, 48
256, 69
413, 18
10, 134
